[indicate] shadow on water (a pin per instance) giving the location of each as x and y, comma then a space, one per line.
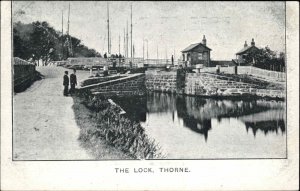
266, 126
197, 113
135, 107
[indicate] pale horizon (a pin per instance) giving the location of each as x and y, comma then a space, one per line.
172, 26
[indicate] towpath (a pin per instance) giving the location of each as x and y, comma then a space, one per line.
44, 126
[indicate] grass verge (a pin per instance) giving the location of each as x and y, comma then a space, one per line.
100, 121
88, 138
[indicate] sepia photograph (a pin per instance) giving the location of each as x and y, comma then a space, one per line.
97, 80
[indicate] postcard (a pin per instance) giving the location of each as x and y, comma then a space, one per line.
150, 95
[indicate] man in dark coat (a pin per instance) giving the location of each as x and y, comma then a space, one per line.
66, 83
73, 82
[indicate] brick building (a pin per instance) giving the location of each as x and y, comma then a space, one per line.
240, 55
197, 53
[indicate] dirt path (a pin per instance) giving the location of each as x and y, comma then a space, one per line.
44, 125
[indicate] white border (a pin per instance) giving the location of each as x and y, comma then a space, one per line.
278, 174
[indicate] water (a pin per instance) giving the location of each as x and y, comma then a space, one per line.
197, 128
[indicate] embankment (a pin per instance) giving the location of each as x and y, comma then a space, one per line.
88, 137
101, 121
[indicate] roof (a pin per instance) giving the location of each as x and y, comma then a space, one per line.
222, 63
245, 49
192, 46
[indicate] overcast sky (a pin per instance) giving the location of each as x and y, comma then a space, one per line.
171, 26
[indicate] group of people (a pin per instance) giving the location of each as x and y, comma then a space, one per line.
72, 82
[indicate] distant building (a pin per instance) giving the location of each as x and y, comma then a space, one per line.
241, 55
197, 53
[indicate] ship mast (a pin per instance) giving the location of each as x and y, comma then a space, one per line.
62, 34
108, 38
157, 54
131, 53
124, 46
119, 45
70, 53
127, 40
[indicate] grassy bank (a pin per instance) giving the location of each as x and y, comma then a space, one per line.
88, 140
102, 124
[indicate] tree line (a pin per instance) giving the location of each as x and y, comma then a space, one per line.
38, 41
266, 58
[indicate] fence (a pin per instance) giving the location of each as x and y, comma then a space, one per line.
261, 73
121, 62
24, 73
97, 61
250, 70
87, 61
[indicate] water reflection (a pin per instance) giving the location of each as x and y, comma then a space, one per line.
195, 122
266, 126
135, 107
166, 117
197, 112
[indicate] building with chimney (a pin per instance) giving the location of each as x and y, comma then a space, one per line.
241, 55
197, 53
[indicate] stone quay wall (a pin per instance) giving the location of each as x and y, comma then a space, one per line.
132, 84
197, 84
206, 84
161, 81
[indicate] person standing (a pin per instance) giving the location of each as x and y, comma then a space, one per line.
66, 83
73, 82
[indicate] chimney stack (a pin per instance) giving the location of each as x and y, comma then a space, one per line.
245, 45
204, 40
252, 42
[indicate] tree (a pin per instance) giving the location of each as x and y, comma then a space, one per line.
21, 40
267, 59
43, 40
39, 41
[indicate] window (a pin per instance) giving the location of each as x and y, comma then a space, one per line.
204, 55
200, 56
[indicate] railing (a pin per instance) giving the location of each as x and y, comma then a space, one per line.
250, 70
87, 61
261, 72
123, 62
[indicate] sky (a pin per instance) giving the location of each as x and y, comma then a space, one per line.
169, 26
